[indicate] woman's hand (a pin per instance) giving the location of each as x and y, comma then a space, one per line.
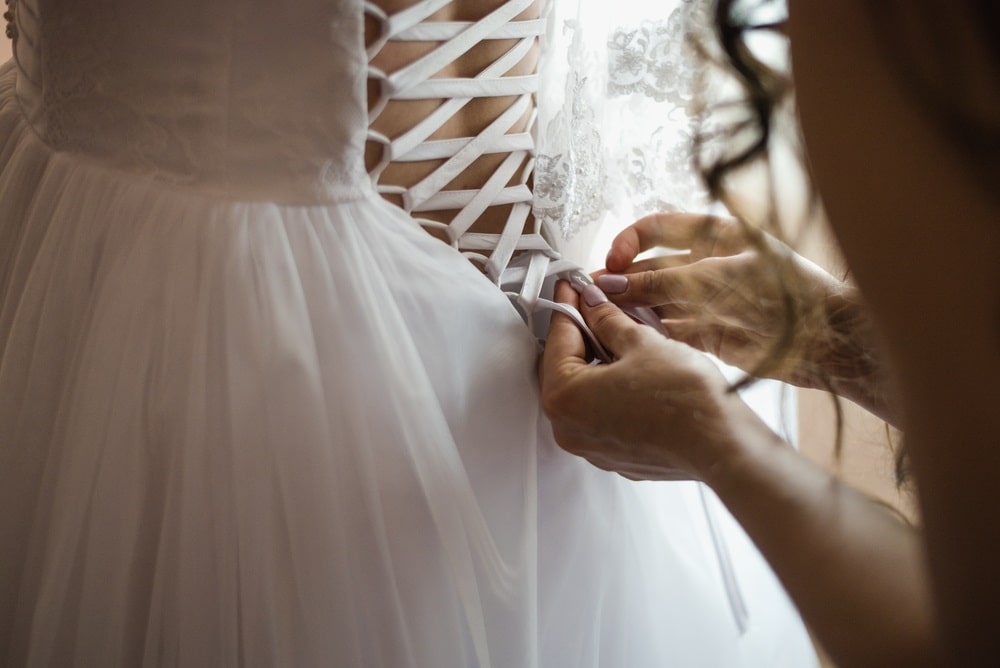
730, 291
747, 298
660, 411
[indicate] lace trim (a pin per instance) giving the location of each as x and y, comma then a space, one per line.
650, 60
570, 186
619, 136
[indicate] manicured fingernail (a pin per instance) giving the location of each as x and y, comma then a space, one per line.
593, 295
613, 284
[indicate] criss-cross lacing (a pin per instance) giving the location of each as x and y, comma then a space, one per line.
518, 261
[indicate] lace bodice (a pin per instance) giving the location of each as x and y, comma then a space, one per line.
247, 98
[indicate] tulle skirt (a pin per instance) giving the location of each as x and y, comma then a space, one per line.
244, 433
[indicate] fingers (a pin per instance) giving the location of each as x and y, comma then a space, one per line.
616, 330
565, 344
672, 286
666, 230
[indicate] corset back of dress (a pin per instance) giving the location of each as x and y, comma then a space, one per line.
253, 99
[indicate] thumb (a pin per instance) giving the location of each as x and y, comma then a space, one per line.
616, 330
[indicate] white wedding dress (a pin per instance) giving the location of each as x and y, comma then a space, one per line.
252, 414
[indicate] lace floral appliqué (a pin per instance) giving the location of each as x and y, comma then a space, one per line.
657, 78
617, 134
569, 186
651, 60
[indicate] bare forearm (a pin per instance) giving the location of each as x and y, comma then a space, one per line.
852, 567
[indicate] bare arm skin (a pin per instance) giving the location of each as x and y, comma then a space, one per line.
721, 291
921, 233
662, 409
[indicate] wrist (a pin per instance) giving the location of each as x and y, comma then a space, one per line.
747, 439
844, 352
849, 364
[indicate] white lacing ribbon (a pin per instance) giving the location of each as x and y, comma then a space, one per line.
518, 262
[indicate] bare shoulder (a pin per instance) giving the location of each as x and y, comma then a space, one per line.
920, 228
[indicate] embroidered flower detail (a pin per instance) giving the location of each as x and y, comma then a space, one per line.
648, 60
569, 187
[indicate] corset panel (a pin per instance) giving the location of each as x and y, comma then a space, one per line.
255, 99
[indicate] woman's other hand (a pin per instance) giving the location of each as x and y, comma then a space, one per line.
727, 290
747, 298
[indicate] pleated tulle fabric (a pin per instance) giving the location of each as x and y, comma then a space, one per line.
243, 433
